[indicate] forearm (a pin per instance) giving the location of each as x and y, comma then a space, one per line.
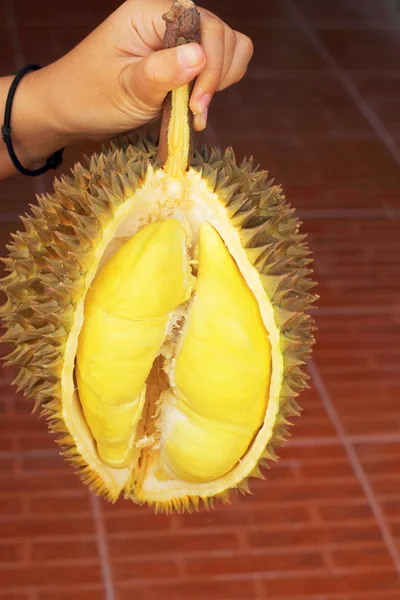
35, 132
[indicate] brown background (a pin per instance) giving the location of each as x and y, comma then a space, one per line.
320, 109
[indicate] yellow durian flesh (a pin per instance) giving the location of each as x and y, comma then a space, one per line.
222, 370
126, 315
219, 379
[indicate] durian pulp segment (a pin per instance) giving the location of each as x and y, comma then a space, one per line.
126, 315
191, 203
178, 133
222, 372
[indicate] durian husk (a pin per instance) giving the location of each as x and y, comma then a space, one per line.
48, 263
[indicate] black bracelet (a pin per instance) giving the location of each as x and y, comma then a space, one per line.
54, 161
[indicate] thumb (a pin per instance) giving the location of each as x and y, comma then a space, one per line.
151, 78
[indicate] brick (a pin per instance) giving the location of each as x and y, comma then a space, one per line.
45, 575
346, 512
171, 543
332, 470
11, 505
16, 596
62, 524
278, 514
20, 423
387, 484
36, 441
374, 596
312, 536
50, 462
137, 523
311, 585
64, 550
12, 552
253, 563
382, 466
223, 589
296, 492
137, 570
63, 480
314, 452
81, 593
365, 556
221, 516
78, 502
391, 506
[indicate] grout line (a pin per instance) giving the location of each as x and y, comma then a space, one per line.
357, 310
356, 464
301, 136
315, 74
346, 82
368, 438
102, 546
349, 213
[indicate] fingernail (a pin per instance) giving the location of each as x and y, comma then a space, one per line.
190, 56
201, 120
201, 103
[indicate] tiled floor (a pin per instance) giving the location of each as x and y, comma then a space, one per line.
320, 109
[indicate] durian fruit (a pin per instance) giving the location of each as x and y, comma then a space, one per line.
157, 310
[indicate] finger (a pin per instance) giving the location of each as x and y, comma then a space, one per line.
200, 120
230, 49
149, 80
242, 56
213, 43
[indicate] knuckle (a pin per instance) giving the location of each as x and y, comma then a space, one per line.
216, 28
246, 43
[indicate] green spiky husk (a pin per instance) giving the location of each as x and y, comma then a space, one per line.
47, 264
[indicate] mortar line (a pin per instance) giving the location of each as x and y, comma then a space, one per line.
348, 85
357, 310
367, 438
356, 465
102, 546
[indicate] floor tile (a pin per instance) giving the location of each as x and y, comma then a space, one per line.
358, 358
356, 261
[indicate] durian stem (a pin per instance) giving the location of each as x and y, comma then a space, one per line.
177, 133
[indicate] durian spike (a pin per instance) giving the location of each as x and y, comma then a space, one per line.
182, 27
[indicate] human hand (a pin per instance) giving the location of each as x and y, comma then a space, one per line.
117, 78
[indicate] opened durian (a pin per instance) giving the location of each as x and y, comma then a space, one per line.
157, 309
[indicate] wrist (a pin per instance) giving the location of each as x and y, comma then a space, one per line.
35, 130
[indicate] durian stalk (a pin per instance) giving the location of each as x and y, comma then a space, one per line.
176, 135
